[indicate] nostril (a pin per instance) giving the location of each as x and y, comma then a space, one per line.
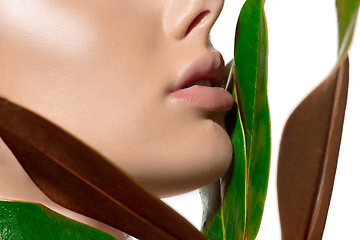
196, 21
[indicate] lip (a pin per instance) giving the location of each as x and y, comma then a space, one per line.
211, 98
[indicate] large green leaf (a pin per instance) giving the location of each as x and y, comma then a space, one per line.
310, 144
80, 179
251, 71
244, 195
30, 221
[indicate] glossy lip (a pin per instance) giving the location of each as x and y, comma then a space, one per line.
211, 98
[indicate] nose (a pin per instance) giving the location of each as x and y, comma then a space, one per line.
184, 18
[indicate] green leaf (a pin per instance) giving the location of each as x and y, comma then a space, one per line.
30, 221
251, 71
244, 195
347, 11
310, 144
78, 178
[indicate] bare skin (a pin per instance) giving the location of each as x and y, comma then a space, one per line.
112, 73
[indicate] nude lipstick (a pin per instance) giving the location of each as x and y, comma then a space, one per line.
199, 84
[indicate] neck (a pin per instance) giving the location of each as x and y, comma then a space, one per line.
15, 184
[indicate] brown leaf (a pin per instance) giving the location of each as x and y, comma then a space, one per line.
78, 178
308, 156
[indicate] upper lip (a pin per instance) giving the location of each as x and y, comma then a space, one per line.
209, 66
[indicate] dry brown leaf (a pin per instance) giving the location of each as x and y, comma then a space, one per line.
308, 156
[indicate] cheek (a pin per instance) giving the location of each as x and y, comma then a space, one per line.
41, 31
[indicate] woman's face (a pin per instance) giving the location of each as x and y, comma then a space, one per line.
114, 72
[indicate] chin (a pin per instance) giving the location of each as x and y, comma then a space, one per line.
207, 157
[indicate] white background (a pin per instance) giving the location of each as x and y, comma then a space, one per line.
302, 51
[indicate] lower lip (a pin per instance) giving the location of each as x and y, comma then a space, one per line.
207, 98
